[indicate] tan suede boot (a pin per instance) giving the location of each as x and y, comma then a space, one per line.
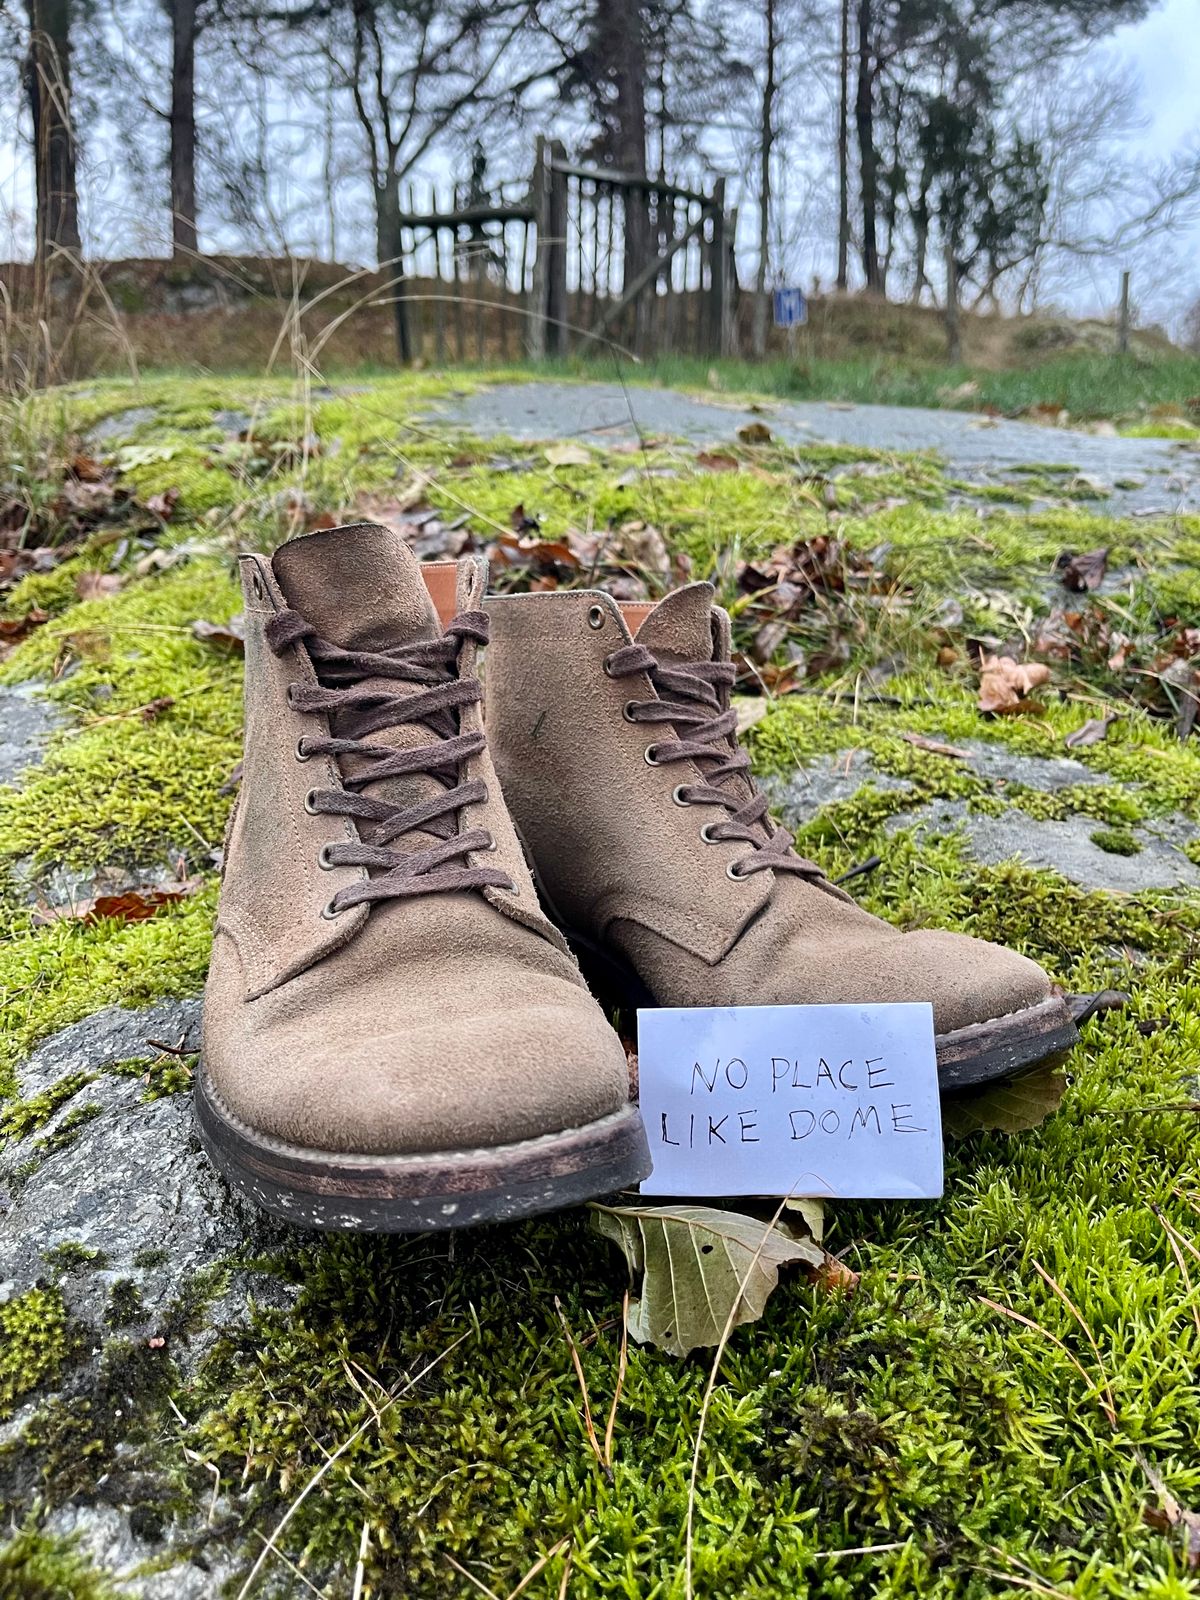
395, 1038
612, 733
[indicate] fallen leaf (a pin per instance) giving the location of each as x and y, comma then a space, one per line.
1080, 573
568, 455
1004, 683
749, 708
935, 746
643, 546
1092, 731
717, 461
811, 1212
1008, 1106
163, 505
86, 468
754, 433
133, 905
520, 522
833, 1275
14, 629
231, 635
697, 1266
1169, 1515
97, 585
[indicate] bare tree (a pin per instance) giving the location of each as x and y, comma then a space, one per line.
48, 86
766, 144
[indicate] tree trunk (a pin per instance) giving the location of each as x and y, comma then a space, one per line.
953, 330
767, 139
48, 84
864, 117
621, 47
389, 250
183, 127
843, 149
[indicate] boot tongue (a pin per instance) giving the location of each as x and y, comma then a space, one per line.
360, 587
679, 628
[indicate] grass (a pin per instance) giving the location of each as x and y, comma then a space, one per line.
972, 1422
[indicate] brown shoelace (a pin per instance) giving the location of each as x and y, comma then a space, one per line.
432, 665
690, 699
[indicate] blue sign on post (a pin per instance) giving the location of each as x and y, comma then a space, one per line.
791, 308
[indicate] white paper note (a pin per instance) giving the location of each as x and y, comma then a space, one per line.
791, 1100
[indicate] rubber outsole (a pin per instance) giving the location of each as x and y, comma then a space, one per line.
421, 1193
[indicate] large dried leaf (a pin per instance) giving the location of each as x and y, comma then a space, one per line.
1008, 1106
1082, 572
1004, 683
97, 585
131, 905
568, 455
697, 1264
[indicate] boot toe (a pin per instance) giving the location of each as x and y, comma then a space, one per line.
446, 1083
970, 980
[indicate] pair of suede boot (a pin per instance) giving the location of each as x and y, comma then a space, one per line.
397, 1035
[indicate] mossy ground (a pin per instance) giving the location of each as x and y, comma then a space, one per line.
906, 1440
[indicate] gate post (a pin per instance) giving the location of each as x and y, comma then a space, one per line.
547, 330
540, 196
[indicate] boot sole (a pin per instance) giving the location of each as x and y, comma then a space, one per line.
967, 1058
427, 1192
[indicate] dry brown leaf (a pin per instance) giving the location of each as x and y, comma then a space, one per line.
133, 905
1004, 683
935, 746
1092, 731
754, 433
14, 629
231, 635
163, 505
1082, 572
717, 460
97, 585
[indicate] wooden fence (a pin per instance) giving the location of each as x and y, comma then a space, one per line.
581, 259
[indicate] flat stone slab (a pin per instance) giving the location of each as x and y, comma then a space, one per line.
824, 782
974, 447
108, 1036
1065, 847
121, 424
27, 719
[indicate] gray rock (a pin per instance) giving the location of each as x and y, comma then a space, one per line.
1066, 847
27, 720
973, 447
830, 778
104, 1536
121, 424
107, 1037
997, 764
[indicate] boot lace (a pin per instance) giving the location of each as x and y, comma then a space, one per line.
431, 664
690, 699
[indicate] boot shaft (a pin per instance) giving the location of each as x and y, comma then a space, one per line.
610, 834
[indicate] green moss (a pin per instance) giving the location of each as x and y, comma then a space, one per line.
71, 1257
34, 1343
125, 1304
59, 974
1117, 841
24, 1117
36, 1566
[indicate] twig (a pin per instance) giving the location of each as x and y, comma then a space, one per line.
589, 1425
1111, 1408
470, 1577
1028, 1322
269, 1544
360, 1568
622, 1362
538, 1565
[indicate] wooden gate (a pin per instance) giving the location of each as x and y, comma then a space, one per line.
581, 260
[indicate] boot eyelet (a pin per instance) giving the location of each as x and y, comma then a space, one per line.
678, 796
309, 806
627, 710
323, 860
256, 585
490, 845
706, 833
330, 910
595, 616
291, 695
651, 756
731, 871
607, 664
301, 753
